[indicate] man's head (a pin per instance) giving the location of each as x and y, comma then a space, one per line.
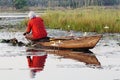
31, 14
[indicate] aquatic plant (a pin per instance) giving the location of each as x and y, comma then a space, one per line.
93, 20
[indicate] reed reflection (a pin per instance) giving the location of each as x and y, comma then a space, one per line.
36, 62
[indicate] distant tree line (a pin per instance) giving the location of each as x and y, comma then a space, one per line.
18, 4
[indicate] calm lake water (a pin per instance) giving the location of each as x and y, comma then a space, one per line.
15, 65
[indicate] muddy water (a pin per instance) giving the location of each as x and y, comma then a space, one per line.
15, 65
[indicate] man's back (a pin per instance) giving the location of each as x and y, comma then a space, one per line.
36, 24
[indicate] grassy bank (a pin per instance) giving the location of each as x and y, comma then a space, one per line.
93, 20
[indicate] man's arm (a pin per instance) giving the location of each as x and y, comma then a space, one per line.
28, 29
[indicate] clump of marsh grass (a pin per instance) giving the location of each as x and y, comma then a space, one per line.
22, 25
92, 20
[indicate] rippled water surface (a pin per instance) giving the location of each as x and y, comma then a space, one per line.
15, 65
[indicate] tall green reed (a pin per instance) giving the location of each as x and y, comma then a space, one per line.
86, 20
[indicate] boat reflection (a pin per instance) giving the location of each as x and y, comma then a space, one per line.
87, 57
36, 62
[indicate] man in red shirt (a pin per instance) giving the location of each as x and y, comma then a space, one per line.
35, 29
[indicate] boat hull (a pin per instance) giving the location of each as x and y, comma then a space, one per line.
86, 42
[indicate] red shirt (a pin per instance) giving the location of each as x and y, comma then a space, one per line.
36, 25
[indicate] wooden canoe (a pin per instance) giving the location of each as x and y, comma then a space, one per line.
86, 42
87, 57
75, 43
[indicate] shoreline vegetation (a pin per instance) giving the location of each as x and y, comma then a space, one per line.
85, 20
98, 20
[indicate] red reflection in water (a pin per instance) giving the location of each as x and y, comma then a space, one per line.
36, 63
